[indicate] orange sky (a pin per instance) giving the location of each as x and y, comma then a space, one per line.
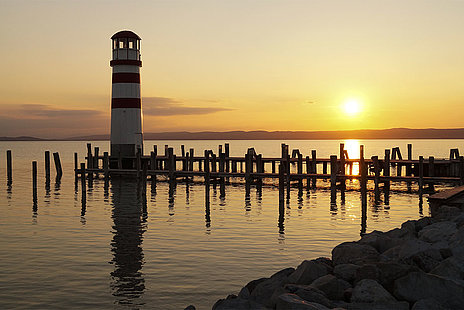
234, 65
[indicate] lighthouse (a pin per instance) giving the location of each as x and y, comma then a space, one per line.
126, 105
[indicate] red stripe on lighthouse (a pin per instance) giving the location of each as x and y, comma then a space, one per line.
126, 77
119, 103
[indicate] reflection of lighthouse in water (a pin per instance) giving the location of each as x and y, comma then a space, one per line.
128, 215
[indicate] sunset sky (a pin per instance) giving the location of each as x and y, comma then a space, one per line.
235, 65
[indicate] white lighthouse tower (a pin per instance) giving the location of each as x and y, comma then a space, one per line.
126, 106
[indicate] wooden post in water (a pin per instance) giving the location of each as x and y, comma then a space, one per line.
375, 161
300, 171
308, 171
47, 165
89, 156
281, 184
83, 184
386, 169
259, 169
222, 162
314, 167
324, 167
207, 173
171, 163
248, 169
76, 165
9, 167
59, 170
227, 152
273, 166
95, 158
333, 171
342, 166
182, 150
362, 169
106, 165
421, 174
192, 154
155, 162
34, 176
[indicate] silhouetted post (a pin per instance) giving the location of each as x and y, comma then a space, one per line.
333, 171
83, 176
34, 176
259, 169
386, 169
288, 171
106, 165
308, 171
207, 173
461, 169
342, 167
95, 158
300, 172
314, 167
324, 167
192, 154
152, 161
171, 161
248, 170
362, 169
59, 170
421, 174
76, 165
281, 184
9, 167
222, 161
227, 151
375, 161
213, 162
89, 156
47, 164
182, 150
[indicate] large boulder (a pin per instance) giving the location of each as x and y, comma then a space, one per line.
380, 241
367, 271
440, 231
309, 293
294, 302
346, 272
390, 271
354, 253
419, 285
235, 303
420, 253
332, 287
428, 304
308, 271
264, 291
452, 268
247, 289
391, 305
369, 291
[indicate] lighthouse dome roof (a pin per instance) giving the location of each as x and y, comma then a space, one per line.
125, 34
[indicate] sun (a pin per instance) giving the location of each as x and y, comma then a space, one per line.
352, 107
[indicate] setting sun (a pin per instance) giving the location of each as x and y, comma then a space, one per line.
352, 106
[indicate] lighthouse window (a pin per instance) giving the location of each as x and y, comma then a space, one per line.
131, 44
121, 44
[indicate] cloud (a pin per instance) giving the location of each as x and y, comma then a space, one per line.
47, 121
160, 106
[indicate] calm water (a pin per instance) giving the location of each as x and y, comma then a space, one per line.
122, 248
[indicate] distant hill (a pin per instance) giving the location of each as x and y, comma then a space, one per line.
393, 133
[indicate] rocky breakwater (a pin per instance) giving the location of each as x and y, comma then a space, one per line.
417, 266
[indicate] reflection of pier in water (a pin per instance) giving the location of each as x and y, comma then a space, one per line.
129, 215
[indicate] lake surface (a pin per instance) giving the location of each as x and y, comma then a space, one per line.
126, 247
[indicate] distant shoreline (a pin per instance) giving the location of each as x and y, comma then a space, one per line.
381, 134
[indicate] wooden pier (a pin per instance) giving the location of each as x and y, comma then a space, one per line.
291, 168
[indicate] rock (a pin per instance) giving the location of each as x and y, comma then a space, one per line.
403, 233
445, 212
325, 260
368, 291
391, 254
441, 231
308, 271
409, 226
420, 253
393, 305
423, 222
428, 304
237, 304
380, 241
294, 302
191, 307
309, 293
459, 220
419, 285
452, 268
346, 272
390, 271
247, 289
332, 287
456, 243
354, 253
283, 274
368, 271
264, 291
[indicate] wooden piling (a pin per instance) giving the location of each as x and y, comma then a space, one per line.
47, 164
95, 158
313, 167
171, 164
34, 175
281, 183
342, 166
182, 150
207, 171
375, 162
362, 169
59, 170
222, 162
106, 165
83, 184
227, 153
308, 171
89, 156
421, 174
9, 166
192, 155
259, 169
300, 171
76, 165
333, 171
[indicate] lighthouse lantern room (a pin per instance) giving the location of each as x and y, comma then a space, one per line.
126, 105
